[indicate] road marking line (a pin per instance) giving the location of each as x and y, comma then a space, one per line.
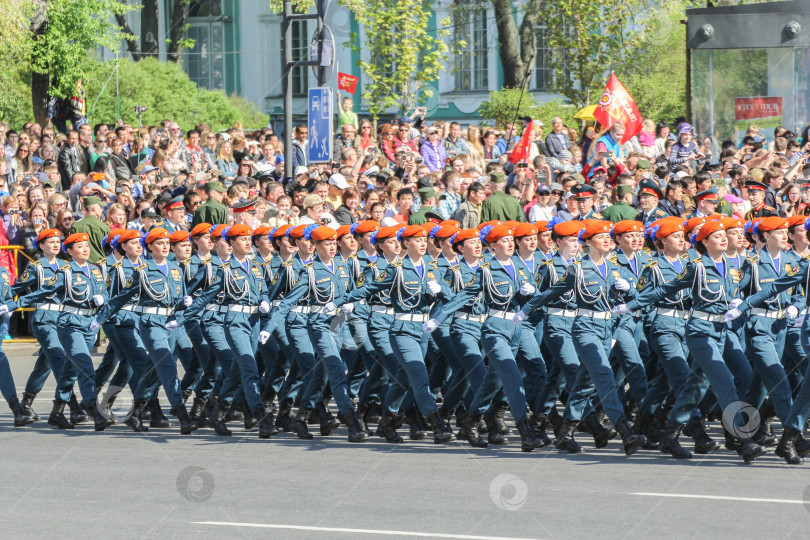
720, 498
355, 531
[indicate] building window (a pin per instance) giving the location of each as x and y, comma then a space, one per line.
542, 68
205, 62
300, 53
472, 62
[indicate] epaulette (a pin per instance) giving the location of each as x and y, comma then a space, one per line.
118, 264
697, 260
752, 258
397, 262
577, 261
286, 263
806, 256
455, 267
141, 266
372, 264
433, 264
548, 262
648, 251
65, 266
206, 261
308, 265
186, 261
483, 264
766, 207
35, 263
612, 258
684, 257
225, 265
652, 263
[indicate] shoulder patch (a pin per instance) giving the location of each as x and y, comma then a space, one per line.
642, 282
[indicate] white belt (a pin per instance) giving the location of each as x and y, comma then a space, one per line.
152, 310
604, 315
413, 317
559, 312
770, 313
240, 309
275, 303
128, 307
677, 313
212, 307
300, 309
48, 307
319, 309
803, 312
470, 317
703, 316
502, 314
79, 311
382, 309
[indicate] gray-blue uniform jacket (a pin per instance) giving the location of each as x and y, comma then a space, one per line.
152, 294
34, 277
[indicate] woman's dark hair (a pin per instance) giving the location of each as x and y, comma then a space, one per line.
700, 248
659, 126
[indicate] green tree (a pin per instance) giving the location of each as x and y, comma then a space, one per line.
15, 50
502, 107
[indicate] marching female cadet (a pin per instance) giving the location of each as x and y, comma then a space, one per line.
324, 281
238, 293
794, 357
558, 322
592, 278
192, 363
51, 356
529, 358
413, 285
81, 288
713, 284
668, 333
153, 291
7, 387
501, 281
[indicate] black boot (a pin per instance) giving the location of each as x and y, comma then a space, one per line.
631, 441
197, 409
374, 414
108, 404
157, 418
565, 441
266, 425
703, 443
670, 445
234, 415
20, 418
77, 415
268, 400
787, 448
356, 431
100, 420
284, 419
469, 431
27, 405
250, 420
186, 394
326, 420
802, 445
732, 443
386, 429
301, 424
217, 419
500, 415
601, 434
528, 440
362, 411
749, 450
556, 421
764, 435
187, 425
134, 419
417, 428
57, 416
538, 422
441, 431
648, 426
493, 435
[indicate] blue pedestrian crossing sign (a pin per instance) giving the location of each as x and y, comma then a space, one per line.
319, 119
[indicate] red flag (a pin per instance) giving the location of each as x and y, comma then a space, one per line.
521, 150
347, 82
617, 105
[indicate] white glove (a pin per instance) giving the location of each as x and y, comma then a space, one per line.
792, 312
94, 325
348, 308
621, 309
731, 314
434, 287
520, 315
621, 284
187, 301
263, 337
172, 325
430, 326
3, 309
735, 303
799, 322
98, 300
527, 288
264, 307
329, 308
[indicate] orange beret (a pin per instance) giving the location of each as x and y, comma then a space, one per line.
446, 231
344, 229
386, 232
525, 229
498, 232
109, 237
156, 234
77, 237
568, 228
216, 232
129, 234
667, 226
52, 233
596, 226
465, 234
628, 225
542, 226
734, 223
179, 236
324, 233
494, 222
451, 222
414, 231
366, 226
512, 224
430, 226
692, 223
796, 220
772, 223
261, 231
297, 232
280, 231
239, 230
710, 227
200, 229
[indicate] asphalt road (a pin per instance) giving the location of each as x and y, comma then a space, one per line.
118, 484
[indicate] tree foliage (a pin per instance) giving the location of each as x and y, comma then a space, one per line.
15, 50
502, 107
